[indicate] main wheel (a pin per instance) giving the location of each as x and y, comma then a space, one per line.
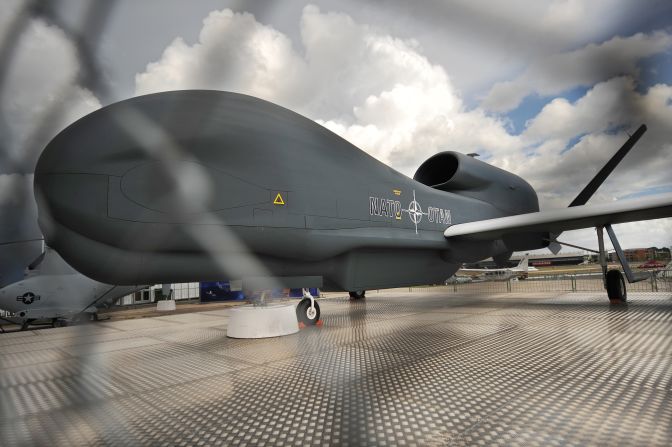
306, 314
358, 294
616, 287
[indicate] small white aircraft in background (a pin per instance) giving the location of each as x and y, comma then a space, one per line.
53, 291
519, 271
459, 279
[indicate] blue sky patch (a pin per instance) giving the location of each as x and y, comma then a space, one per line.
662, 189
532, 105
572, 142
528, 109
656, 69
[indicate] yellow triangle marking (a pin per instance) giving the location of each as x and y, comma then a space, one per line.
278, 200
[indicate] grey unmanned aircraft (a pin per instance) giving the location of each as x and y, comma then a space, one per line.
201, 185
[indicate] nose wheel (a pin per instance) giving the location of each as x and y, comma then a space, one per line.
357, 294
308, 311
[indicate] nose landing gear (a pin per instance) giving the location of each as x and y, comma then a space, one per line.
308, 311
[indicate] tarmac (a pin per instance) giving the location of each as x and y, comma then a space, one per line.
430, 367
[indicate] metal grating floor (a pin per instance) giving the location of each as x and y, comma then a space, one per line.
400, 368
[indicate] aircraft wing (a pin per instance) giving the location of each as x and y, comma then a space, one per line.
565, 219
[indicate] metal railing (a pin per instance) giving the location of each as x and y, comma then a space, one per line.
658, 281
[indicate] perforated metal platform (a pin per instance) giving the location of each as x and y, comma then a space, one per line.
400, 368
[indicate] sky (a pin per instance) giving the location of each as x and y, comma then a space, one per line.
547, 89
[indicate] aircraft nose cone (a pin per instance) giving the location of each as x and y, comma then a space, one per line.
123, 180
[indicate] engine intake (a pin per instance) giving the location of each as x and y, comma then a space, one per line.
460, 174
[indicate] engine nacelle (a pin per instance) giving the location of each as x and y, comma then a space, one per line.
460, 174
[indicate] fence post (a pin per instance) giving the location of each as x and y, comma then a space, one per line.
455, 287
508, 285
654, 284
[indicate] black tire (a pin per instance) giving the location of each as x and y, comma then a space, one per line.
358, 294
616, 290
58, 322
26, 324
303, 312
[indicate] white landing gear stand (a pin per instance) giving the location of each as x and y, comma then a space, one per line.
168, 304
261, 320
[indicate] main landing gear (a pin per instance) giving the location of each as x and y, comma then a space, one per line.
26, 324
357, 294
308, 311
613, 279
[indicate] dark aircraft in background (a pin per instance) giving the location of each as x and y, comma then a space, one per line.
202, 185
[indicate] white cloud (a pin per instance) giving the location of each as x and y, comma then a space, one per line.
40, 94
15, 189
586, 66
17, 208
11, 10
607, 103
233, 50
481, 41
377, 91
615, 104
587, 16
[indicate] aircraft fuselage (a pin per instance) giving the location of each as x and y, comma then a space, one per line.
203, 185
